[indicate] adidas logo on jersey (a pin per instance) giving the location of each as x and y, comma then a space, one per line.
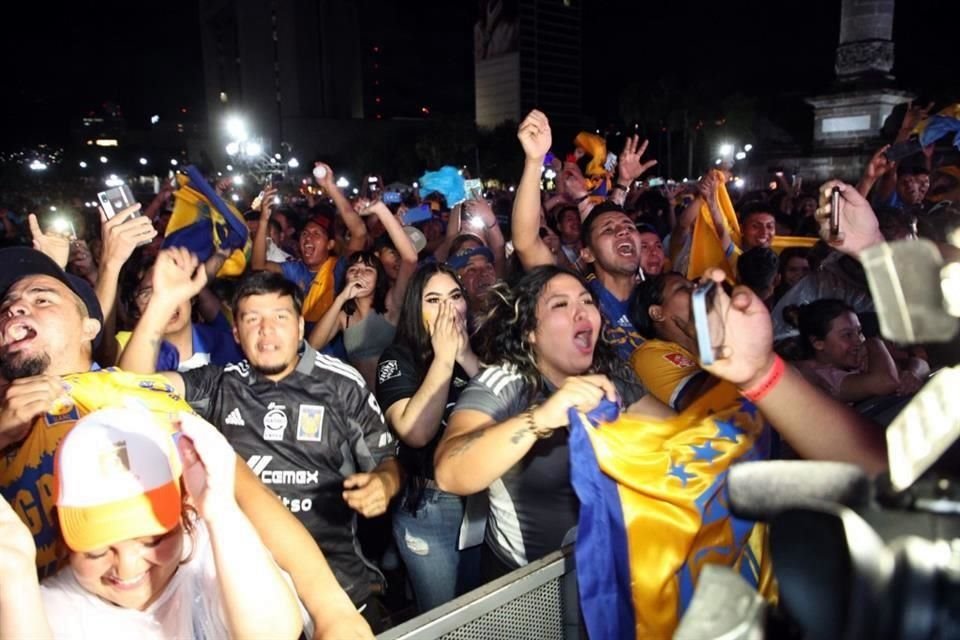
235, 418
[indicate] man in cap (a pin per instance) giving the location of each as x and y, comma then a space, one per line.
475, 266
49, 325
317, 271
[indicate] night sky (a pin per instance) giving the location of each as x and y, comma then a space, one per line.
64, 61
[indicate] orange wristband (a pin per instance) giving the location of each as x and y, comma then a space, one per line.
757, 392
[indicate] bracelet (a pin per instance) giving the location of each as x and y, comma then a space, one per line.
771, 379
619, 186
540, 432
582, 198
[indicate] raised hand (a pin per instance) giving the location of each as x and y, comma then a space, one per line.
914, 115
266, 203
54, 245
741, 332
329, 181
535, 137
879, 164
629, 164
122, 234
209, 466
176, 276
572, 183
859, 228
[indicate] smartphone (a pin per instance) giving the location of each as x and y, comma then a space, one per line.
116, 200
835, 212
474, 188
655, 182
700, 300
417, 214
392, 197
276, 179
904, 149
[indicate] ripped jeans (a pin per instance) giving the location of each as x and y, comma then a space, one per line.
427, 541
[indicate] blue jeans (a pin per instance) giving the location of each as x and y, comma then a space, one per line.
427, 541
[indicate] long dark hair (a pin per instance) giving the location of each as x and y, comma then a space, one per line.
502, 335
382, 287
411, 331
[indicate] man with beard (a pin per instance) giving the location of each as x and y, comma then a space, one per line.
317, 271
49, 324
305, 422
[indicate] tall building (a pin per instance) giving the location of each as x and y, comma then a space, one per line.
527, 54
282, 64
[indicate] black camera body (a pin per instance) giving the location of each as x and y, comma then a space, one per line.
853, 559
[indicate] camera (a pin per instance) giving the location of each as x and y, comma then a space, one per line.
856, 558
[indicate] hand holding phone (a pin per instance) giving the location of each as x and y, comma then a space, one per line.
741, 339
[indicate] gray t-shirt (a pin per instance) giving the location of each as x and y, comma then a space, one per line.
533, 505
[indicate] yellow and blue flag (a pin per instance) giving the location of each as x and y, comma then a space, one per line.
706, 250
654, 510
940, 125
203, 222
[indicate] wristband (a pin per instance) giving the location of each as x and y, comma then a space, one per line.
619, 186
582, 198
759, 391
540, 432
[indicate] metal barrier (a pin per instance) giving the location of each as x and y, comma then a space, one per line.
538, 601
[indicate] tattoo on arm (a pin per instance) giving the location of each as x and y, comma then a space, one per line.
519, 434
466, 441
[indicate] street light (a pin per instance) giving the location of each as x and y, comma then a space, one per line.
237, 129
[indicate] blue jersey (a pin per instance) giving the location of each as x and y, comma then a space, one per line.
618, 330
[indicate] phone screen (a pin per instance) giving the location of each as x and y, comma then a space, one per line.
701, 300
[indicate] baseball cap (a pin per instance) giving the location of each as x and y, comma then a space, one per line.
416, 237
116, 477
460, 260
321, 221
20, 262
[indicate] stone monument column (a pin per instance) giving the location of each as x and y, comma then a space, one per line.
866, 38
847, 121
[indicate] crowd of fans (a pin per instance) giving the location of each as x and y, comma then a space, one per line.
415, 378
